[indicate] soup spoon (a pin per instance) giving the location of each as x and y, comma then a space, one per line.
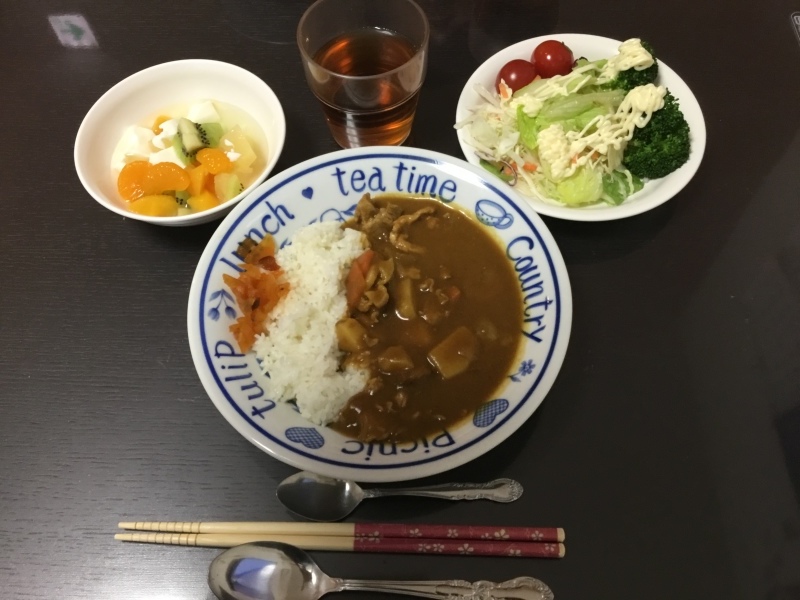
274, 571
321, 498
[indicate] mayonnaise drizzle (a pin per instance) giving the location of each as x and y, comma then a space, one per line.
554, 151
632, 55
563, 152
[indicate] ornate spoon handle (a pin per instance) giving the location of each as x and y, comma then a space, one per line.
521, 588
499, 490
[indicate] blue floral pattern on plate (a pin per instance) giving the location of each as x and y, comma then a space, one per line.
526, 367
223, 298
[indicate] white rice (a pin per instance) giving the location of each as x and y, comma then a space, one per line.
300, 352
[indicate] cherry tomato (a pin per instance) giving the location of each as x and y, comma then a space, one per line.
517, 74
552, 57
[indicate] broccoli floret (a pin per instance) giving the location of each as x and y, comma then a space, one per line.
631, 78
661, 146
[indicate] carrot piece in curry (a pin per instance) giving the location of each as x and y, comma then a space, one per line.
356, 282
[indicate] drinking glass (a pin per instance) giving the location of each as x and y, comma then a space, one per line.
365, 61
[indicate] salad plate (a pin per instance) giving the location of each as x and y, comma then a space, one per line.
655, 192
327, 188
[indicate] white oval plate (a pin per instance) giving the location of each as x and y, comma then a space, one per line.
327, 188
592, 47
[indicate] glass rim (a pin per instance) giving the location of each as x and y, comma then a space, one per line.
310, 59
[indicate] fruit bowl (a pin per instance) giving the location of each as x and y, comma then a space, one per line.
149, 92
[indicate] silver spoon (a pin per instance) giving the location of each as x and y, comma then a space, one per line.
321, 498
273, 571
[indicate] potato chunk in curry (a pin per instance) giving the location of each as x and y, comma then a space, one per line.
455, 353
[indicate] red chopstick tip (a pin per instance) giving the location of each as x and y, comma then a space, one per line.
562, 550
561, 536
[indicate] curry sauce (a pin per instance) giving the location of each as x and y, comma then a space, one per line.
436, 319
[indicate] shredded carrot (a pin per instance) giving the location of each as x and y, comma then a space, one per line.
505, 91
530, 167
509, 168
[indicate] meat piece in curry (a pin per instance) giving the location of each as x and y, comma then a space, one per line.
435, 315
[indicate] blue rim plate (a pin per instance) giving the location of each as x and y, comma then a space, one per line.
327, 188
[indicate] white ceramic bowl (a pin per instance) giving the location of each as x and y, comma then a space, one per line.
144, 94
655, 192
327, 188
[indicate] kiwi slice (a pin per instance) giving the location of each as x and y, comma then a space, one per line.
184, 156
227, 186
182, 198
210, 134
190, 136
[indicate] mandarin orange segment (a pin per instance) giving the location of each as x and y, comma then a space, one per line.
164, 177
215, 160
210, 186
197, 180
159, 205
131, 180
157, 123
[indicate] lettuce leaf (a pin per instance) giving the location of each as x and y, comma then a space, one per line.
573, 112
617, 187
585, 186
561, 108
529, 128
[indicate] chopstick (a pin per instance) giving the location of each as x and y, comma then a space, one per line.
356, 530
357, 544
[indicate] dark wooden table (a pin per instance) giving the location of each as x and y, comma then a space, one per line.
669, 447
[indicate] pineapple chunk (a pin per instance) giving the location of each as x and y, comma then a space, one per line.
235, 139
227, 186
